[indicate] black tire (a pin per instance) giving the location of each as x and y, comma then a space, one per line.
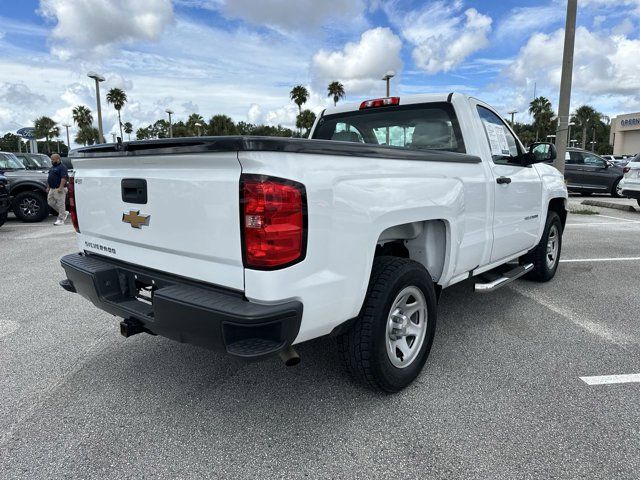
614, 190
3, 218
542, 270
30, 206
638, 200
363, 347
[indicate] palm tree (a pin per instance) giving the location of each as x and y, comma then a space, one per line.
585, 117
221, 125
117, 98
87, 135
336, 90
195, 123
299, 95
82, 116
47, 128
128, 129
542, 112
305, 120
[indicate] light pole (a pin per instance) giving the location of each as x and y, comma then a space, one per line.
571, 124
390, 74
512, 113
98, 78
565, 84
199, 125
170, 112
66, 125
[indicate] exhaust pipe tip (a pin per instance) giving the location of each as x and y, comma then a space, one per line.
290, 357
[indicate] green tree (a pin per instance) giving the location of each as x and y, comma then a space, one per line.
336, 90
128, 129
586, 117
305, 120
117, 98
10, 142
221, 125
542, 112
143, 133
195, 124
299, 95
87, 135
160, 129
244, 128
82, 116
47, 128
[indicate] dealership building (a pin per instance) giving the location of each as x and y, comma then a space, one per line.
625, 134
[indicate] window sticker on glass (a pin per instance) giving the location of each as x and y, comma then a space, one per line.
497, 139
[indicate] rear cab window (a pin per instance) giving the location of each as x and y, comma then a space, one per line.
432, 126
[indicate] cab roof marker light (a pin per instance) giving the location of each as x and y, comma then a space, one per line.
380, 102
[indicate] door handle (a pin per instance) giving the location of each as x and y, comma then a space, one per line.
503, 180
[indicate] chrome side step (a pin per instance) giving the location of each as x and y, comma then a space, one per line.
503, 280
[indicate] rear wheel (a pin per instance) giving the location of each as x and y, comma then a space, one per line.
3, 218
546, 256
390, 341
616, 191
30, 206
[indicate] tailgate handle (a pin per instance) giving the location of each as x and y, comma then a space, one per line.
134, 190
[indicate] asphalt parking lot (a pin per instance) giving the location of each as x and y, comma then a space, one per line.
501, 395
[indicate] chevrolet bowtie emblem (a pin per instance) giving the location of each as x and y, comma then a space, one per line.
135, 219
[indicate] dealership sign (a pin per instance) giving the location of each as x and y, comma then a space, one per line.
631, 122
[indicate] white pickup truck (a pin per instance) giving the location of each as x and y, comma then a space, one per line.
250, 245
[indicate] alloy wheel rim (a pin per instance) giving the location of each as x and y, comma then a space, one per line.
29, 207
406, 327
552, 247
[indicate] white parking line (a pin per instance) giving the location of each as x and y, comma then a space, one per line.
580, 320
618, 218
598, 224
617, 259
611, 379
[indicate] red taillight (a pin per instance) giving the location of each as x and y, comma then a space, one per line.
380, 102
626, 169
273, 221
71, 191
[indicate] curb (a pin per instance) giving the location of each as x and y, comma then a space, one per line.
617, 206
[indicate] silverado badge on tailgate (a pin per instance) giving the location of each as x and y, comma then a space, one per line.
135, 219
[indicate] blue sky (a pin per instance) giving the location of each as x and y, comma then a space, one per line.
241, 57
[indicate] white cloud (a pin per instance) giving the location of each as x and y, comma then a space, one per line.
443, 33
254, 115
18, 102
359, 66
287, 15
601, 73
94, 26
529, 19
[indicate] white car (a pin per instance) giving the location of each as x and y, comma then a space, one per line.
250, 245
630, 183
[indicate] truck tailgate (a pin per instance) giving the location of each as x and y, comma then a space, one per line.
189, 224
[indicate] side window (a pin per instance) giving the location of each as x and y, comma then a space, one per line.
575, 158
593, 161
501, 141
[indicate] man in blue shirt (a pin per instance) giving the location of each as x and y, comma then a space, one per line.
56, 188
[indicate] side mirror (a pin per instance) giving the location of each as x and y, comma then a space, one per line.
541, 152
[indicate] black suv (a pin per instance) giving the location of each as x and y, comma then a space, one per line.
587, 173
4, 199
27, 189
34, 161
